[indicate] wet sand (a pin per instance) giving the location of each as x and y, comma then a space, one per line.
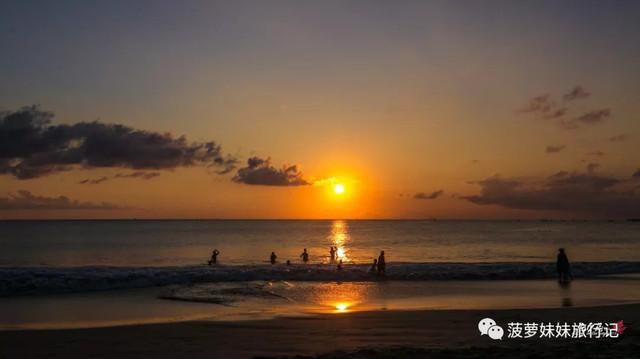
434, 333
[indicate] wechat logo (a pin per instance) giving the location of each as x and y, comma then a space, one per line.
488, 326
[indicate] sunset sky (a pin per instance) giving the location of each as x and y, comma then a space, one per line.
425, 109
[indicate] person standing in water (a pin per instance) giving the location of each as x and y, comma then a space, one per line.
374, 266
273, 257
563, 267
382, 265
305, 256
339, 267
214, 257
332, 252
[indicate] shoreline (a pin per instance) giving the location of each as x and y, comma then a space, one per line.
314, 335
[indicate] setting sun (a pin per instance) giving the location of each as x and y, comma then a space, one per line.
338, 188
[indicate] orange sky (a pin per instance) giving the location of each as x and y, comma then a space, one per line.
392, 100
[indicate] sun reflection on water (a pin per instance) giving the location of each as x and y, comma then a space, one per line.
339, 238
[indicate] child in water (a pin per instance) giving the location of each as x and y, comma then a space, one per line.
305, 256
214, 257
374, 266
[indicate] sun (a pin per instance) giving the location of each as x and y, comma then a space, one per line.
338, 188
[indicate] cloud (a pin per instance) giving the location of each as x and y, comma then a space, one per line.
554, 149
138, 174
576, 93
432, 195
31, 147
576, 193
94, 181
546, 108
25, 200
594, 117
596, 153
619, 138
260, 172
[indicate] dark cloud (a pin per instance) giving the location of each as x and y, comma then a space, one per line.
539, 104
554, 149
432, 195
94, 181
577, 193
30, 147
576, 93
546, 108
138, 174
636, 174
260, 172
619, 138
26, 200
594, 117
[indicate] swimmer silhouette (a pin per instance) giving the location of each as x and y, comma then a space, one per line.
382, 265
339, 265
214, 257
273, 257
374, 266
288, 262
305, 256
332, 252
563, 267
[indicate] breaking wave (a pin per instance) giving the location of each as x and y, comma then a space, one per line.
50, 280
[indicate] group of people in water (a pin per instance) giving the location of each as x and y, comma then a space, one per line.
379, 266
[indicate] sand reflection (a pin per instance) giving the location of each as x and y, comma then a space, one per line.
340, 297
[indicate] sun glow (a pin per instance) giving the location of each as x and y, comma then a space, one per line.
338, 188
342, 307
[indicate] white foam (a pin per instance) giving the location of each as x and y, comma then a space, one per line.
47, 280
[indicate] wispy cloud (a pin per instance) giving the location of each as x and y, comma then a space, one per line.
432, 195
547, 108
554, 149
94, 181
25, 200
144, 175
577, 93
619, 138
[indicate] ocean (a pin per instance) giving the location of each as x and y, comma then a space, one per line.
53, 274
186, 243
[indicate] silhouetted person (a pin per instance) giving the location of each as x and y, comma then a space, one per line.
273, 257
339, 265
214, 257
288, 262
563, 267
374, 266
305, 256
382, 265
332, 252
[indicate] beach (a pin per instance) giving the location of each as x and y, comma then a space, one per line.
428, 333
143, 290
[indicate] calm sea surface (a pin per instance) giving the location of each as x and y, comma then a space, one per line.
167, 243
